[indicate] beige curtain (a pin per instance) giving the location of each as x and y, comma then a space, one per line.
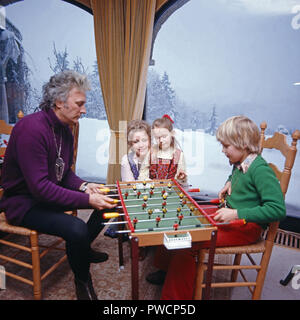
123, 35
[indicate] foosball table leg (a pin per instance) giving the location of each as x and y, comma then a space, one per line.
120, 247
135, 268
210, 263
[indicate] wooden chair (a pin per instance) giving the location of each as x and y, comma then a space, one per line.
265, 245
37, 251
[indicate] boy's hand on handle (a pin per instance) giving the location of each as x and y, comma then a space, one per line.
181, 175
225, 190
100, 201
226, 215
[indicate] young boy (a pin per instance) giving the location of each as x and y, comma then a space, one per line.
252, 193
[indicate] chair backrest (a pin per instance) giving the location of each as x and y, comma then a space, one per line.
4, 129
278, 141
7, 129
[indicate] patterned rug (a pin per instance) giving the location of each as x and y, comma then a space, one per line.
109, 281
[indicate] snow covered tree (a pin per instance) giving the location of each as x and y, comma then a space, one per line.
61, 62
161, 98
79, 67
95, 103
154, 95
212, 122
170, 96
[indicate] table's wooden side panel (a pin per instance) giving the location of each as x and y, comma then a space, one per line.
157, 238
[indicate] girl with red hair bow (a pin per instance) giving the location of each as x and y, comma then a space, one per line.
167, 159
166, 162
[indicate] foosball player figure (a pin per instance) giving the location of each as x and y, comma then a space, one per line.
163, 191
151, 193
145, 198
183, 202
164, 203
180, 217
138, 194
144, 205
144, 184
192, 209
135, 221
126, 195
169, 186
150, 211
165, 196
175, 227
157, 221
178, 210
134, 188
164, 211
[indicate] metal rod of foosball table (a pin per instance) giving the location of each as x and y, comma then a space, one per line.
110, 215
169, 197
212, 201
166, 228
148, 205
145, 193
155, 186
161, 228
113, 195
129, 189
239, 221
152, 220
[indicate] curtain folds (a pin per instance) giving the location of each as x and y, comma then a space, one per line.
123, 35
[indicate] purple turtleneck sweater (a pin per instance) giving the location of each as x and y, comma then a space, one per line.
28, 175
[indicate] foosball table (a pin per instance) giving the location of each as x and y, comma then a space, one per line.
161, 212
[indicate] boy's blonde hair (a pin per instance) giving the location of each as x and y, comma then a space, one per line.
137, 125
241, 132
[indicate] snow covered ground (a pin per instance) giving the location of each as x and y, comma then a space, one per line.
207, 166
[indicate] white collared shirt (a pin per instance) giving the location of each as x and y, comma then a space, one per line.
244, 166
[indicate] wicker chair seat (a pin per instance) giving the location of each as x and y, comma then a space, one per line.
257, 247
6, 227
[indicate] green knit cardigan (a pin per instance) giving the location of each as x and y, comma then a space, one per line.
256, 194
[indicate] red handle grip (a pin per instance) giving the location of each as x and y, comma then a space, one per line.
238, 222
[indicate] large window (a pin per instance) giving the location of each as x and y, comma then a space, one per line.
55, 36
52, 36
215, 59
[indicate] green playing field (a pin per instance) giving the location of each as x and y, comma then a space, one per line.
144, 205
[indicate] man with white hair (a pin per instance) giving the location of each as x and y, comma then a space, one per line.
39, 184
